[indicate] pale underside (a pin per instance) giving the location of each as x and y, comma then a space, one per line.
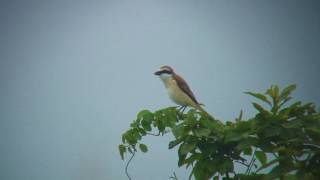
175, 93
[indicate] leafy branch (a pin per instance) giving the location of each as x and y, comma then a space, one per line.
289, 132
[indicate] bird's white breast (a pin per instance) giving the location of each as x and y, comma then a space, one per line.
175, 93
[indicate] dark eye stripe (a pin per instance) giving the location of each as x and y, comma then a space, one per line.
165, 71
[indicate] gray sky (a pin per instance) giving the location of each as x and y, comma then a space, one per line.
74, 74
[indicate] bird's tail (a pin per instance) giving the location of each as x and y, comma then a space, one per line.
200, 108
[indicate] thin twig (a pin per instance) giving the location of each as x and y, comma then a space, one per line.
247, 165
227, 175
254, 160
275, 155
174, 177
133, 153
251, 162
190, 176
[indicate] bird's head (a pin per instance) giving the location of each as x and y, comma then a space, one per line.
164, 72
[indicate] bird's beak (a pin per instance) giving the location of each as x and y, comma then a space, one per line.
157, 73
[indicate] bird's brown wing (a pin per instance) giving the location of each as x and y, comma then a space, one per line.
184, 87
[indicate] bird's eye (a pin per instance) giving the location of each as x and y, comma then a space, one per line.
167, 72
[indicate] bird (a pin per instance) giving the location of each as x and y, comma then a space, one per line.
178, 89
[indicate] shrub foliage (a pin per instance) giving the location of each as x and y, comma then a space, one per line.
282, 141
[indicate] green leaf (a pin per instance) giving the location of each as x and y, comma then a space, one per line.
265, 145
260, 108
261, 156
239, 118
169, 121
167, 116
123, 138
146, 124
226, 165
287, 91
278, 171
213, 125
143, 148
233, 136
178, 130
314, 129
122, 150
284, 101
182, 158
132, 136
160, 125
246, 143
259, 96
173, 143
191, 113
275, 91
146, 118
202, 132
199, 170
247, 151
274, 131
208, 148
192, 158
191, 120
296, 123
268, 164
128, 137
185, 148
144, 113
142, 131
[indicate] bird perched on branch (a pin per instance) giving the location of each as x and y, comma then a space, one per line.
178, 89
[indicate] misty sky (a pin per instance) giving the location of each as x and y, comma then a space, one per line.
74, 74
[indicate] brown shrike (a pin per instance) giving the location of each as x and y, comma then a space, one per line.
177, 88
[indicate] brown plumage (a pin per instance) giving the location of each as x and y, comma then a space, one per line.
180, 82
184, 87
178, 89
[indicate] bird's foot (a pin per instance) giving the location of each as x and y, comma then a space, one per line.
180, 111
